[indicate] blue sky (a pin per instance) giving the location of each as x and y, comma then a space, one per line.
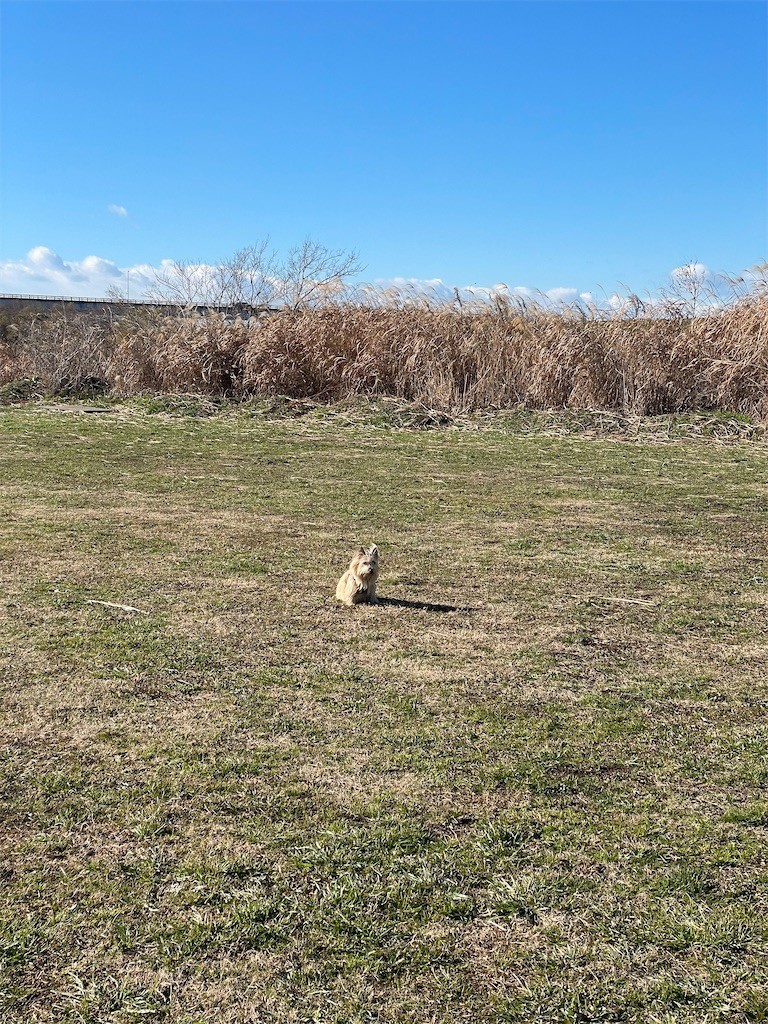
550, 144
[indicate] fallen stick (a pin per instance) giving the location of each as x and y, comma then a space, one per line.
615, 600
122, 607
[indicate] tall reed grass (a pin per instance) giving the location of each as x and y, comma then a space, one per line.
448, 357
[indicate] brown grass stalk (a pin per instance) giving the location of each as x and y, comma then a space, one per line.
448, 357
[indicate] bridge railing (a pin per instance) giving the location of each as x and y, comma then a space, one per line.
81, 298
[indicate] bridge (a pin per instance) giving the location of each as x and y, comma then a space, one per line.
16, 303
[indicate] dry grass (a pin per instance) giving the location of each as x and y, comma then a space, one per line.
447, 358
529, 787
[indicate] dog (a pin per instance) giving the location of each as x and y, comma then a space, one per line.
358, 584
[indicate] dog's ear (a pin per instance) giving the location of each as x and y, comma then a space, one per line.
375, 551
361, 552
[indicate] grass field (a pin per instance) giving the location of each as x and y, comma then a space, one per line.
529, 787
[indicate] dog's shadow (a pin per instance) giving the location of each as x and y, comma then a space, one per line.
424, 606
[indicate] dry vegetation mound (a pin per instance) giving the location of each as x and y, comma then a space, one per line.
448, 357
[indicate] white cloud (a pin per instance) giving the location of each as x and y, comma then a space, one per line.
44, 272
562, 296
45, 260
119, 211
95, 266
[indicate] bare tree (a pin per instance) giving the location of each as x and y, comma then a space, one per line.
254, 278
245, 279
186, 283
313, 274
249, 277
690, 292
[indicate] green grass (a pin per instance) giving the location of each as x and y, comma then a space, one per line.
529, 789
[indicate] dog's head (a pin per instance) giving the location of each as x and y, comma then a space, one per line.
366, 563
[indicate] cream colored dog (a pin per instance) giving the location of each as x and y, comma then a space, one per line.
358, 584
